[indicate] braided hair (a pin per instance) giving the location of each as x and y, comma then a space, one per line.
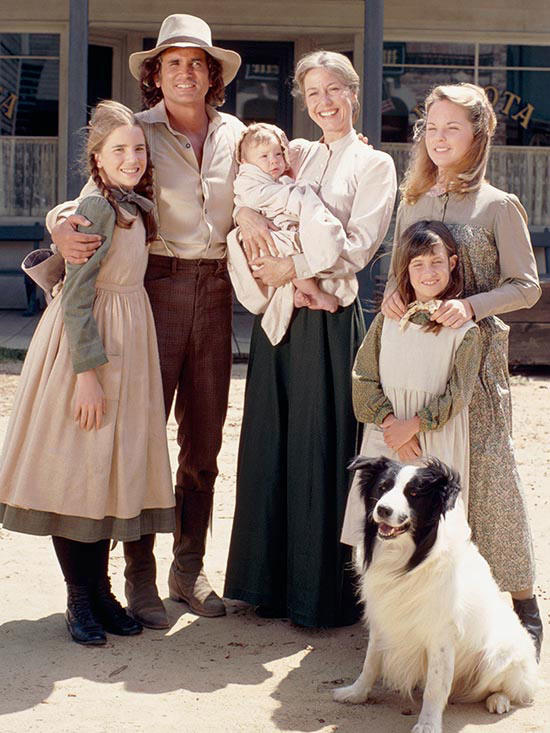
105, 118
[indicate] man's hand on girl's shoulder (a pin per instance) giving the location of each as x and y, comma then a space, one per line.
75, 247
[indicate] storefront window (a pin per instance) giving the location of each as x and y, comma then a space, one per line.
29, 114
29, 84
515, 77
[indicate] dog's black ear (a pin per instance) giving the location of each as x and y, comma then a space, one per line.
440, 487
449, 483
369, 470
445, 481
370, 464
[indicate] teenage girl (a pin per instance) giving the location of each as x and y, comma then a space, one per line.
413, 379
85, 458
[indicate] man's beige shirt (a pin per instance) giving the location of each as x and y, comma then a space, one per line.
194, 204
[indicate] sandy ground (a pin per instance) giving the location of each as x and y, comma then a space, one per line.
238, 673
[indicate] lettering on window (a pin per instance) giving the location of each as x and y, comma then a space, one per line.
8, 100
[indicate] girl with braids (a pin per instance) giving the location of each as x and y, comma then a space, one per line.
85, 458
446, 182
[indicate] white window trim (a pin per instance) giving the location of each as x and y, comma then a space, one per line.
527, 39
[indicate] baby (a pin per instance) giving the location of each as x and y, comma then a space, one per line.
263, 149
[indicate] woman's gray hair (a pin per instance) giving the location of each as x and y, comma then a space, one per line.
336, 63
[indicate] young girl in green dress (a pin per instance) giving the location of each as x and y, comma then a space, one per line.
85, 458
420, 409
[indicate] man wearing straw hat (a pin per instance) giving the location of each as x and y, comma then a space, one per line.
192, 147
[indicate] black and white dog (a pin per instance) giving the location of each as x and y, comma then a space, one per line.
435, 615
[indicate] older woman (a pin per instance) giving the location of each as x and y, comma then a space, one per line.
298, 430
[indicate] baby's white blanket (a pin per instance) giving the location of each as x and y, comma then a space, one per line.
305, 225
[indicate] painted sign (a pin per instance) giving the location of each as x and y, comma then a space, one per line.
8, 100
511, 101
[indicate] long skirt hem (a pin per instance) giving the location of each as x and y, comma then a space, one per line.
351, 617
83, 529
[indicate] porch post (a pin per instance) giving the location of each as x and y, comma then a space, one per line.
372, 71
78, 91
372, 120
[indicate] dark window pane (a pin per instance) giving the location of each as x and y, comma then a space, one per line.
261, 90
529, 56
257, 87
29, 44
501, 55
403, 93
100, 74
29, 92
493, 54
522, 105
436, 54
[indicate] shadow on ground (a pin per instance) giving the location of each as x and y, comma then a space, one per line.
207, 655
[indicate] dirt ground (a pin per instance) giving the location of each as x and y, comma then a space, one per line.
238, 673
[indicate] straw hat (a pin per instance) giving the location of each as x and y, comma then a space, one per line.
188, 31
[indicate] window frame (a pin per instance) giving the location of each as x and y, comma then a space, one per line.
470, 38
62, 30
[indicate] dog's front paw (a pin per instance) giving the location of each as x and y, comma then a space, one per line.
498, 703
353, 693
426, 728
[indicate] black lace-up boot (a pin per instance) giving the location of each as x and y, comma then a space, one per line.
82, 625
110, 613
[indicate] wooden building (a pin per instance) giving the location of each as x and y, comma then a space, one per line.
500, 44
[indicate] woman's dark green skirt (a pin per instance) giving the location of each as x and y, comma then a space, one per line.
298, 435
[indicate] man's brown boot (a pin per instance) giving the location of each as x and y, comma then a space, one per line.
187, 581
144, 604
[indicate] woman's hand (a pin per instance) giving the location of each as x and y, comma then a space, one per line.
75, 247
90, 404
453, 313
399, 432
364, 139
274, 271
393, 307
255, 233
410, 450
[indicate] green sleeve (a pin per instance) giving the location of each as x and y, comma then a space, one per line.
460, 386
370, 404
78, 292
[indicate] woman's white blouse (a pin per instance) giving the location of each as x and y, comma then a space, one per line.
358, 185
